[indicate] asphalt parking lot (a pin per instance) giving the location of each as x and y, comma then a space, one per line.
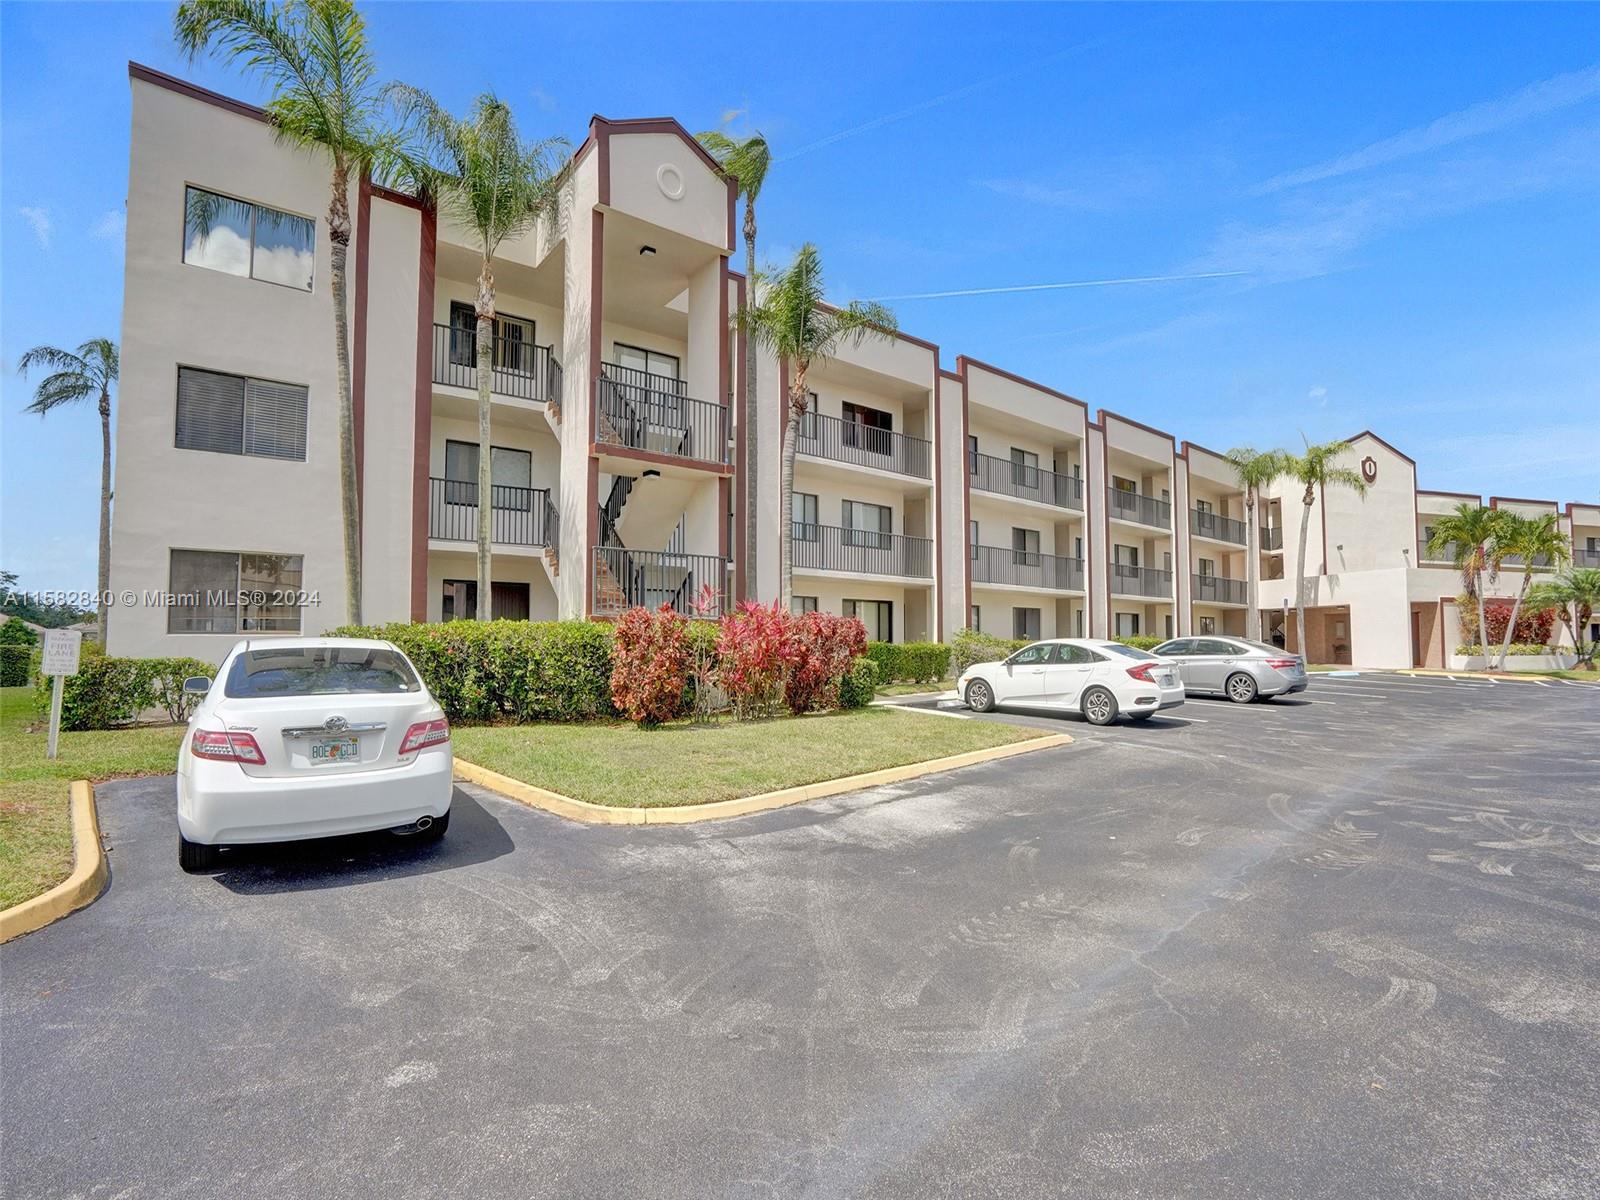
1340, 945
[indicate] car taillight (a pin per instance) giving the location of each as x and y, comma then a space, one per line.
425, 733
1142, 672
1282, 664
226, 747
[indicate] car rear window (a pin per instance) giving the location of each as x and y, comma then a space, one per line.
319, 671
1125, 651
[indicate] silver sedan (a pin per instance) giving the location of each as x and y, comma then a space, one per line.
1233, 667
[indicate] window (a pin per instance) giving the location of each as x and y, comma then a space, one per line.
1077, 548
653, 362
230, 414
972, 454
1077, 623
1208, 624
867, 524
972, 617
1031, 655
1075, 656
1025, 547
1124, 485
972, 538
225, 592
804, 516
1025, 623
1166, 560
802, 604
1126, 624
240, 238
1024, 468
1208, 568
1202, 506
1168, 630
460, 603
320, 671
1215, 648
1125, 556
808, 419
1179, 648
513, 340
867, 428
510, 476
876, 615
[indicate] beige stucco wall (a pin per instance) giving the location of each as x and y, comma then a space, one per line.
646, 167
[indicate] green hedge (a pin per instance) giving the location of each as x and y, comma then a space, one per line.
910, 662
1517, 650
522, 670
972, 647
107, 692
16, 665
858, 687
1141, 642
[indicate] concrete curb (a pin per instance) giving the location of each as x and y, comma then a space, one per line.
87, 881
688, 814
1496, 676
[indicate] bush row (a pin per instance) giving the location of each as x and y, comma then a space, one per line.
1141, 642
1518, 649
107, 692
910, 662
17, 665
972, 647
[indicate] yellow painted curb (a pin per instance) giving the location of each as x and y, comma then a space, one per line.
87, 881
687, 814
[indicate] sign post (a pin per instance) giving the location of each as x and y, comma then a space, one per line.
62, 648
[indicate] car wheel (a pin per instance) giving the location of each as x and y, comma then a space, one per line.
1099, 706
195, 856
980, 696
1241, 689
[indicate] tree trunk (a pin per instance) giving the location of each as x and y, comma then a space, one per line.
484, 338
791, 440
1483, 626
349, 497
1300, 580
1516, 608
1252, 568
752, 440
105, 512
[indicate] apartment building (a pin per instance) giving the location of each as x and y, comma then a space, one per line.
926, 499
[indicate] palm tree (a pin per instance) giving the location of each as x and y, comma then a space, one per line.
1530, 539
497, 186
1575, 595
314, 55
1316, 469
788, 316
746, 160
91, 370
1254, 469
1469, 536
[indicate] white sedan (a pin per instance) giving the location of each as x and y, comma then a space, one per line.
307, 738
1099, 679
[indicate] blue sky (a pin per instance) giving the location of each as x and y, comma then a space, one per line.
1402, 203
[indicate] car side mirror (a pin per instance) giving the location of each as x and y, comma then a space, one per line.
196, 685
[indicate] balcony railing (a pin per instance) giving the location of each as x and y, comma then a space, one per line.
1585, 558
1218, 589
642, 411
1217, 527
860, 551
1141, 581
1541, 562
1005, 477
625, 579
1445, 557
838, 440
518, 516
521, 370
1021, 568
1142, 510
1272, 537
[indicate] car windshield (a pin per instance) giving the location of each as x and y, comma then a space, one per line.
1125, 651
319, 671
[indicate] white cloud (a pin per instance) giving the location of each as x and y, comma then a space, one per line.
545, 101
40, 221
110, 227
1490, 116
1102, 187
1319, 394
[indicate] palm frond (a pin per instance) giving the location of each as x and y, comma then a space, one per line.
64, 387
789, 316
52, 357
746, 159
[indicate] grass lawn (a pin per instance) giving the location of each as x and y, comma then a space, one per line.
35, 833
916, 689
680, 763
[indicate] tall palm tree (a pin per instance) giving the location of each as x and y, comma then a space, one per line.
314, 56
1254, 469
90, 371
788, 316
478, 170
746, 160
1316, 469
1469, 536
1530, 539
1575, 595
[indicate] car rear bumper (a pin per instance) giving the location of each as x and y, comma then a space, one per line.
219, 805
1157, 699
1283, 685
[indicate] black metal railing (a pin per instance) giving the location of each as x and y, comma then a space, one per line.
625, 579
520, 369
518, 516
839, 440
1023, 568
860, 551
1541, 562
552, 523
1006, 477
1140, 581
1218, 589
1215, 526
1272, 537
1143, 510
642, 411
1446, 554
1585, 558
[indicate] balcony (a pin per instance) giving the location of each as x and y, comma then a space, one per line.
1445, 557
1218, 589
1585, 558
518, 516
838, 440
1005, 477
860, 552
521, 370
1217, 528
1141, 510
653, 413
625, 579
1541, 562
1140, 581
1020, 568
1272, 537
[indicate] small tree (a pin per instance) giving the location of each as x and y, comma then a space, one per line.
1530, 539
1254, 469
1316, 469
1575, 597
650, 665
1468, 534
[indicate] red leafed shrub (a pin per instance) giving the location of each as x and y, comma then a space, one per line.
825, 647
650, 661
1533, 628
755, 648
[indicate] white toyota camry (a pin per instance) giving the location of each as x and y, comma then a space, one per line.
1098, 679
309, 738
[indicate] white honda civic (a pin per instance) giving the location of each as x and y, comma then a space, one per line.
1099, 679
310, 738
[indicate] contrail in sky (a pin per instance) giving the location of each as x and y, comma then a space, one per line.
1057, 287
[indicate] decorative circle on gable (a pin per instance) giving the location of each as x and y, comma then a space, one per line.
1369, 469
670, 180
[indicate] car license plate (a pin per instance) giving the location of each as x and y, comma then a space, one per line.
331, 750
